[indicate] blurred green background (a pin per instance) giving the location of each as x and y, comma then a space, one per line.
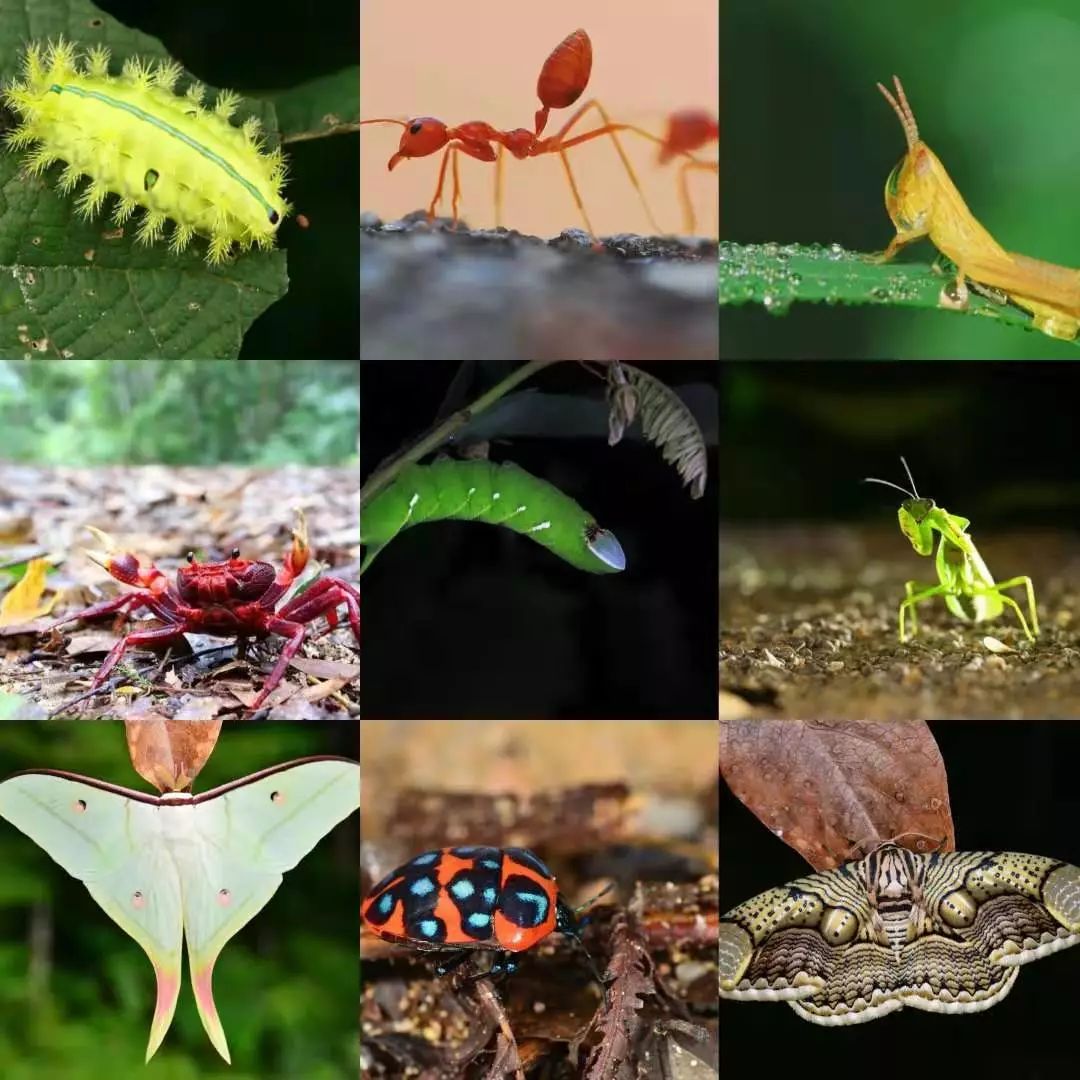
77, 994
808, 143
179, 412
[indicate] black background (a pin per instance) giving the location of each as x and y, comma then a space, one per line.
462, 620
1012, 787
994, 442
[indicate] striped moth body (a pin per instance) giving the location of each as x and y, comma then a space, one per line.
498, 494
131, 136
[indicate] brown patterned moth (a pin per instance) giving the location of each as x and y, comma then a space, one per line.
945, 932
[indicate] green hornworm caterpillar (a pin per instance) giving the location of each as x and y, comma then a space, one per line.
499, 494
161, 151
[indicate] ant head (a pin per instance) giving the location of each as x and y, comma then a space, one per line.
422, 136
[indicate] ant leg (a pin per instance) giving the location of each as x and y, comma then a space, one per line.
499, 185
455, 201
436, 199
914, 598
558, 142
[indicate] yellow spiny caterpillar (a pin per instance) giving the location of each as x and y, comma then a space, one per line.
135, 138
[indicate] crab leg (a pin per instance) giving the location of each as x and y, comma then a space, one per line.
159, 634
295, 632
323, 598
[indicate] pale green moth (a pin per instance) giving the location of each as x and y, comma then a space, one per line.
197, 867
498, 494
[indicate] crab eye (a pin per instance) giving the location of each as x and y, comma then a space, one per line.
191, 556
236, 553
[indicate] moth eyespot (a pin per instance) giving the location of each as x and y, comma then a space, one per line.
958, 909
138, 900
224, 897
277, 797
838, 925
79, 806
150, 179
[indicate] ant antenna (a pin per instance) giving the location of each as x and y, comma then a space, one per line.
888, 483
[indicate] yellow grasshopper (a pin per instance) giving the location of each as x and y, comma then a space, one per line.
923, 201
964, 579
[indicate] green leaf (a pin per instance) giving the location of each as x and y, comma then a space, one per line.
779, 275
328, 105
71, 288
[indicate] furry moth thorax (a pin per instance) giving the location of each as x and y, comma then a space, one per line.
134, 137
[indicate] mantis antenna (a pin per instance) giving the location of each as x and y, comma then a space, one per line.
913, 493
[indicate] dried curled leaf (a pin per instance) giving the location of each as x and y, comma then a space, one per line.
665, 421
833, 790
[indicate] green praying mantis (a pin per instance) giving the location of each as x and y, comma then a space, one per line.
964, 580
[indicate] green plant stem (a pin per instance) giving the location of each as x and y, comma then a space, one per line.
442, 431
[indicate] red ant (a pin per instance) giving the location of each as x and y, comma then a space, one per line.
688, 130
562, 81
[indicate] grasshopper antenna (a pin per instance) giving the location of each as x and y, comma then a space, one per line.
913, 494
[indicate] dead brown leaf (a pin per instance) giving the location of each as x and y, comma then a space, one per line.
170, 753
325, 669
834, 790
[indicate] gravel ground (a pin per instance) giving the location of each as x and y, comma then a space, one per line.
808, 621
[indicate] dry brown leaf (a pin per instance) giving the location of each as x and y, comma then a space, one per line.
325, 669
170, 753
834, 790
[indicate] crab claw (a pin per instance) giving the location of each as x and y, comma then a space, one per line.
297, 556
122, 565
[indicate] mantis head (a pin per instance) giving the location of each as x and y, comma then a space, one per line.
912, 186
914, 515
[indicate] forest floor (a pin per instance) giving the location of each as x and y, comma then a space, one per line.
808, 629
630, 806
161, 513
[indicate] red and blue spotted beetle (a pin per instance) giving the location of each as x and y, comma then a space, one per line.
466, 898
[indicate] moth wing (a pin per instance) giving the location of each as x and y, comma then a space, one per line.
112, 843
242, 842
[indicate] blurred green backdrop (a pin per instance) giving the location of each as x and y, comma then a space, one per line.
179, 412
77, 994
808, 143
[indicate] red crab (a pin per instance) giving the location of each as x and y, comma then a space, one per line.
234, 598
